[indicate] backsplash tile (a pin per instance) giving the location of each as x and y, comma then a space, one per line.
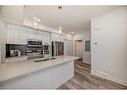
21, 47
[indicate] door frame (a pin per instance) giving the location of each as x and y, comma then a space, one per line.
82, 46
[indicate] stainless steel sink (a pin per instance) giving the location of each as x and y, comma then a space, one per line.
39, 60
45, 59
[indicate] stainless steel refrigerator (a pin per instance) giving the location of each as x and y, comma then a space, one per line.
57, 48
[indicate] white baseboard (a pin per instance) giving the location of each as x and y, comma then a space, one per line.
108, 77
117, 80
99, 74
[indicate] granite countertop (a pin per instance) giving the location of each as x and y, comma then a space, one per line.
12, 70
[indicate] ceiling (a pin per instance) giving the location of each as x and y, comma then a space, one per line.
72, 18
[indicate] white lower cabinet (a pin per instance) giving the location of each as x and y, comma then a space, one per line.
62, 73
49, 78
37, 80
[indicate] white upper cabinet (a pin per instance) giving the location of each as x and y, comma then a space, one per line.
12, 34
20, 35
68, 47
56, 37
16, 35
46, 37
30, 34
23, 36
35, 35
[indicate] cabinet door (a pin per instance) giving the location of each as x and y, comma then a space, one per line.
34, 35
23, 36
37, 80
62, 73
3, 32
37, 35
54, 37
68, 47
30, 35
60, 38
46, 38
12, 35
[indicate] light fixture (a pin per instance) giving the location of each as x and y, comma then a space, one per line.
60, 30
72, 33
59, 7
36, 22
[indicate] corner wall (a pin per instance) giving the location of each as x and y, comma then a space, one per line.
109, 45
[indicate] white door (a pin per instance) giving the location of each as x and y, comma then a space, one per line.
79, 48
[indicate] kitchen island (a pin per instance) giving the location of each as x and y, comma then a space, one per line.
37, 75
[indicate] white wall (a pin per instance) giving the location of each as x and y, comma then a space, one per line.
84, 36
109, 45
67, 36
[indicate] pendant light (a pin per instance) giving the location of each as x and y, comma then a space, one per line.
36, 22
60, 28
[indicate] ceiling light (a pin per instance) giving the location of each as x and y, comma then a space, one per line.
60, 29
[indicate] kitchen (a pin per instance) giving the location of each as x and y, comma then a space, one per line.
27, 45
36, 56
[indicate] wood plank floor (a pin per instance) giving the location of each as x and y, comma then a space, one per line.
84, 80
